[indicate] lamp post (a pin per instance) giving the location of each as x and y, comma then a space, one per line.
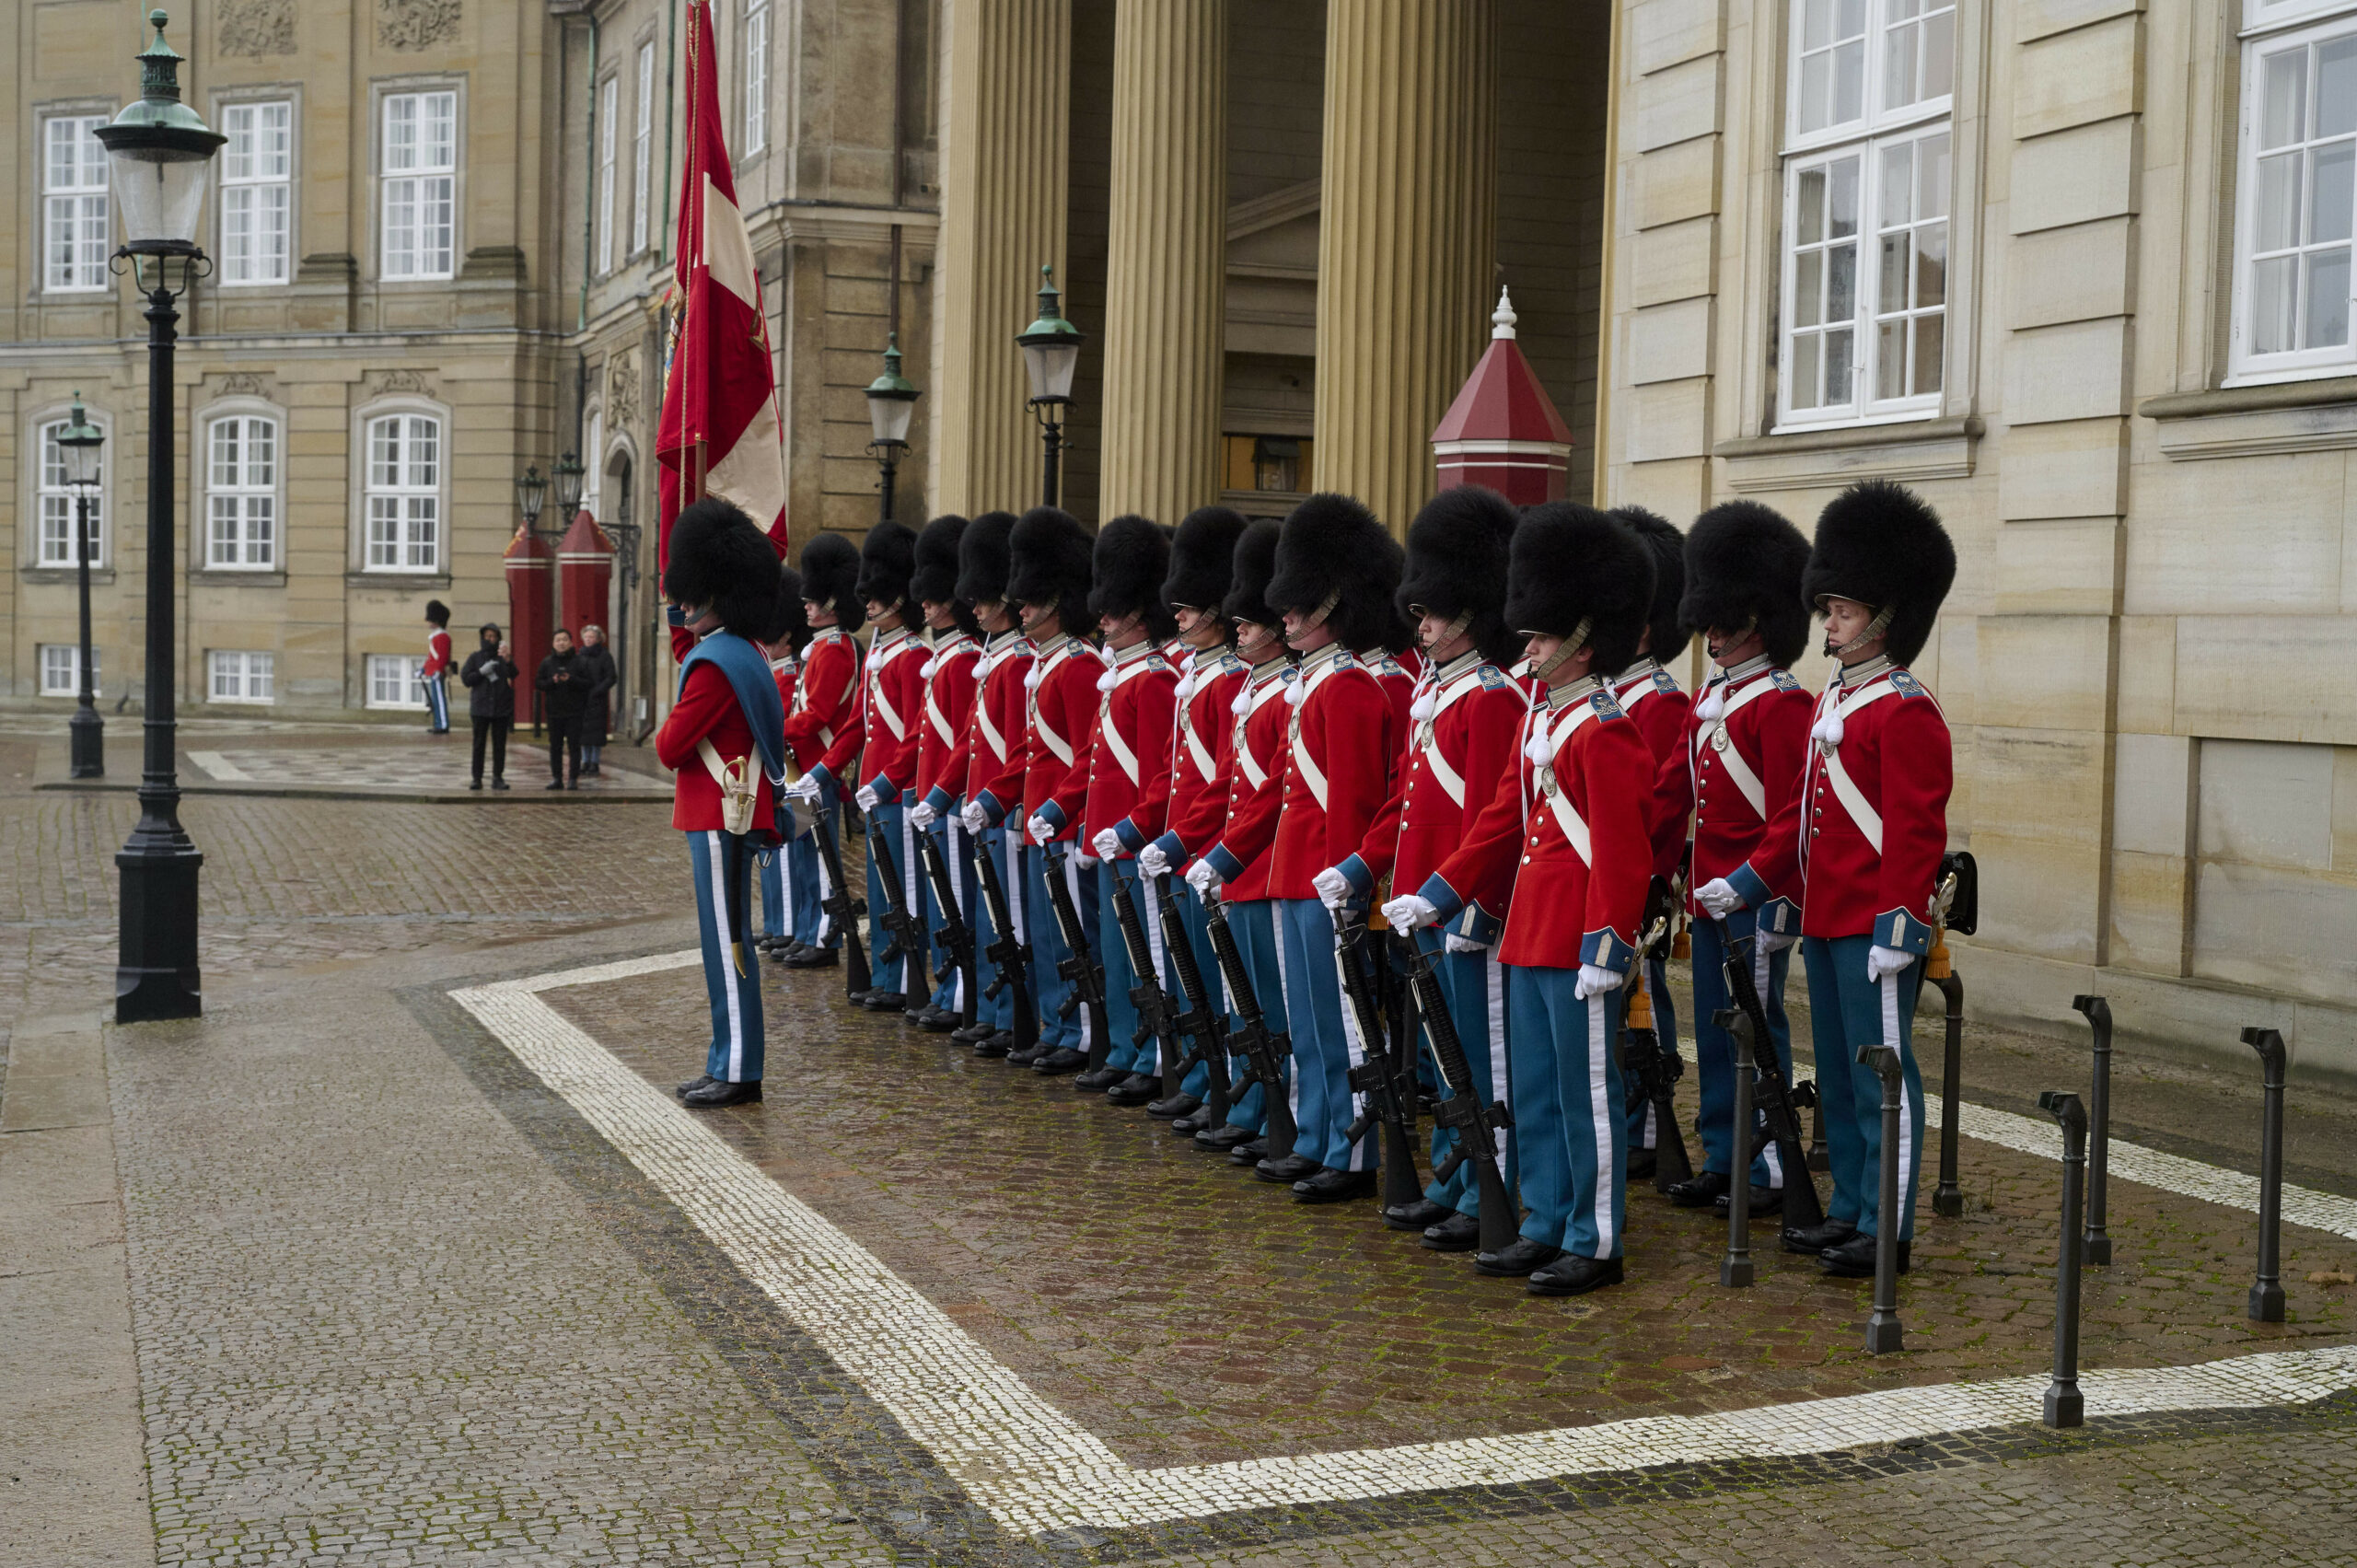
531, 491
157, 151
1051, 354
568, 486
79, 442
891, 404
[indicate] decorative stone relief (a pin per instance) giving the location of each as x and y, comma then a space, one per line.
621, 386
244, 384
389, 382
410, 25
251, 30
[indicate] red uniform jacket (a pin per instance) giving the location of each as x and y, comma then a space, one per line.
1734, 773
891, 694
1129, 744
992, 746
1573, 904
949, 710
437, 653
1865, 832
707, 709
787, 672
1250, 755
1465, 722
1059, 725
822, 724
1401, 674
1200, 726
1340, 743
1647, 694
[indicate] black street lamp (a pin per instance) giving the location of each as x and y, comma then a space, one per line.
891, 404
79, 443
157, 152
568, 488
531, 491
1051, 354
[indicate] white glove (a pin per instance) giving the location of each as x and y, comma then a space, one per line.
922, 816
1596, 981
1041, 830
1333, 888
1151, 861
1086, 862
866, 796
804, 788
1777, 941
1718, 896
1107, 846
1882, 961
1453, 943
1203, 879
1408, 911
977, 820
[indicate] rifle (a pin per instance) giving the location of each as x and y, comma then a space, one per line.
1153, 1008
1389, 1083
1265, 1050
1657, 1069
843, 908
957, 939
1087, 980
1201, 1022
1803, 1209
1010, 958
1463, 1111
905, 924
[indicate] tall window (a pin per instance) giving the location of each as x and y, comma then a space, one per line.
421, 182
61, 670
405, 492
241, 493
73, 204
241, 677
394, 680
609, 106
56, 497
1866, 199
642, 154
2297, 186
757, 75
590, 485
256, 192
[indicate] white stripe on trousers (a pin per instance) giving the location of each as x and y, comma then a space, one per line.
1353, 1047
1762, 962
1599, 1064
713, 855
1284, 1007
950, 834
1891, 1037
1072, 886
1494, 982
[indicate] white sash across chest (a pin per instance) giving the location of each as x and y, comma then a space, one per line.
1303, 764
1845, 789
1428, 738
1558, 800
1713, 734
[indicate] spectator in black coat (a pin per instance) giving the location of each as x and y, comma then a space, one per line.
564, 693
490, 679
598, 718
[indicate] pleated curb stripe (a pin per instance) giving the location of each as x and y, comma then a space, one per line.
1036, 1470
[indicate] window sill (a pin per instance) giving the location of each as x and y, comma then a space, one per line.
2239, 421
403, 582
1814, 460
65, 576
230, 577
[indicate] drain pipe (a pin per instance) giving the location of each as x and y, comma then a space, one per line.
589, 193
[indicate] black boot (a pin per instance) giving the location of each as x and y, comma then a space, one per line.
1520, 1257
1288, 1171
692, 1085
1458, 1232
1253, 1151
1641, 1165
1568, 1275
1100, 1079
1177, 1107
1700, 1190
1059, 1061
884, 1001
1421, 1214
1137, 1088
809, 957
1334, 1187
1815, 1239
717, 1094
1854, 1258
1764, 1201
1223, 1139
995, 1045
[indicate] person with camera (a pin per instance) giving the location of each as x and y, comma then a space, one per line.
488, 676
564, 682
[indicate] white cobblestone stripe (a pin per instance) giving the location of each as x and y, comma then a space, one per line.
1036, 1470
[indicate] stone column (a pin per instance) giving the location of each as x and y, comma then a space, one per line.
1166, 263
1406, 239
1005, 152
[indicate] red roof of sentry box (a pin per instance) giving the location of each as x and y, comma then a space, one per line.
585, 536
1503, 401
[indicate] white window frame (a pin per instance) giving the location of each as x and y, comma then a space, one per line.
382, 674
406, 491
415, 178
241, 675
757, 77
2272, 26
53, 497
593, 478
248, 497
64, 661
258, 183
642, 154
82, 204
609, 93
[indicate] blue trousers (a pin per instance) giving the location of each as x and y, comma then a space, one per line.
775, 919
1633, 1092
1846, 1010
890, 823
1197, 1081
1048, 948
1129, 1055
438, 702
1326, 1043
722, 865
1474, 985
1715, 1053
804, 920
1570, 1126
997, 1011
949, 835
1254, 925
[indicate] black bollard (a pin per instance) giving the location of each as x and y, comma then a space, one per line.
2065, 1406
2266, 1290
1735, 1269
1947, 1199
2095, 1246
1883, 1332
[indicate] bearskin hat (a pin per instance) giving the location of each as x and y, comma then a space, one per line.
1572, 563
719, 559
1131, 557
887, 557
1667, 546
437, 612
831, 576
1203, 557
1458, 549
1047, 565
1256, 563
1332, 549
981, 559
935, 579
1877, 543
1743, 568
789, 621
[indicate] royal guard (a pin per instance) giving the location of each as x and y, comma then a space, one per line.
1862, 839
779, 932
1048, 574
725, 740
1736, 769
1336, 571
1649, 695
891, 690
822, 729
1465, 721
1249, 752
991, 752
954, 642
434, 675
1203, 561
1568, 846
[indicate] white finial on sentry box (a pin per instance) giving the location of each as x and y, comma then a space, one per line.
1502, 319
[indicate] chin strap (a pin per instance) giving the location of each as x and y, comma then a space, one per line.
1324, 607
1874, 628
1455, 629
1572, 646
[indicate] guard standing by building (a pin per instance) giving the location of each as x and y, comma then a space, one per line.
823, 728
1569, 846
891, 690
434, 675
1864, 839
954, 644
779, 932
990, 751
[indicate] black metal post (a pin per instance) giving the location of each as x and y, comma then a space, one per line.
2266, 1290
1052, 438
157, 976
1883, 1332
86, 731
2065, 1406
1736, 1269
2095, 1246
889, 461
1947, 1199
